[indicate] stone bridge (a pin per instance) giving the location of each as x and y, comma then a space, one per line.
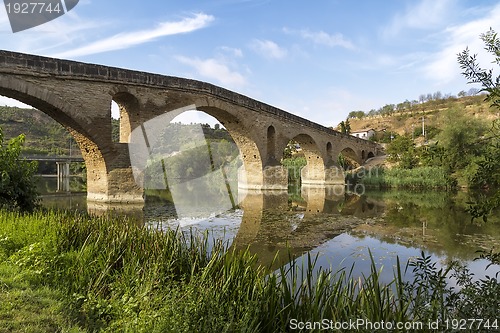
79, 96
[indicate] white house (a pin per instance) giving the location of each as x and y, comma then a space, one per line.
364, 134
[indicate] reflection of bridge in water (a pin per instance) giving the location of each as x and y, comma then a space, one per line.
269, 226
63, 170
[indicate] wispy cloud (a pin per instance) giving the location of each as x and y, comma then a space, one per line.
232, 51
129, 39
268, 49
442, 65
322, 38
216, 70
426, 14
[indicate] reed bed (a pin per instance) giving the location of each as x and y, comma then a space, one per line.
117, 275
418, 178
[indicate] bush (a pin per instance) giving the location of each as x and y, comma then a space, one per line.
17, 185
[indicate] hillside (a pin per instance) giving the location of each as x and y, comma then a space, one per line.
409, 119
44, 135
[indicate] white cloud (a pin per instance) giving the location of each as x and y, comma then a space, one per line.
442, 66
49, 36
426, 14
126, 40
215, 70
323, 38
268, 49
232, 51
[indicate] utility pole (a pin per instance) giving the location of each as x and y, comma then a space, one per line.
423, 126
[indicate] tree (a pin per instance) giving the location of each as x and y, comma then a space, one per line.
475, 74
459, 139
487, 169
345, 127
402, 151
17, 184
356, 114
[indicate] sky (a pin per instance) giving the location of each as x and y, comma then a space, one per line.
316, 59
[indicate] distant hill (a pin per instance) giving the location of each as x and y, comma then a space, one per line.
409, 120
44, 135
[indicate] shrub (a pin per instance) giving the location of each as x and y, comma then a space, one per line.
17, 186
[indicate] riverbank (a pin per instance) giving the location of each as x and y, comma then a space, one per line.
111, 274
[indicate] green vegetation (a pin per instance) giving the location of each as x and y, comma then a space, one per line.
486, 169
294, 165
28, 306
417, 178
17, 185
345, 126
44, 136
114, 275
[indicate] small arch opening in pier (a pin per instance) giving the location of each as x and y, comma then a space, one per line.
125, 116
271, 145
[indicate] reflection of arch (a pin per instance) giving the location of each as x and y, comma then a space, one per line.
277, 235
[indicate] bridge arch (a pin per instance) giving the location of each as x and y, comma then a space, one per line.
252, 174
50, 104
92, 149
352, 158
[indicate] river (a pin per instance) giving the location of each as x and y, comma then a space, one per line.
338, 225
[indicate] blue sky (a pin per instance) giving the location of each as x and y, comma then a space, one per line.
316, 59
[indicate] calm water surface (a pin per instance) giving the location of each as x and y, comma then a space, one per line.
340, 226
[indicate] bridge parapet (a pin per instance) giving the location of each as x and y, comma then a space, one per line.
33, 64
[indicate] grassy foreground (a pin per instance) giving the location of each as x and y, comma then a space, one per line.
75, 273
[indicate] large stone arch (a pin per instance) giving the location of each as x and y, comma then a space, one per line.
352, 156
259, 169
45, 101
102, 160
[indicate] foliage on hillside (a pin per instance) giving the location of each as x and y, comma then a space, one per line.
44, 136
409, 121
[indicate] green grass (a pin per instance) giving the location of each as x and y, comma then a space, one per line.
112, 275
27, 306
